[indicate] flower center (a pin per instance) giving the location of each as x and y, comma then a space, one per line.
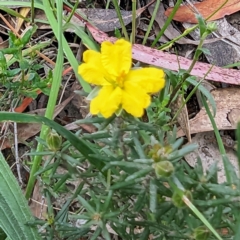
120, 80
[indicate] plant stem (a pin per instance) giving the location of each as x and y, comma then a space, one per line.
151, 22
134, 7
120, 19
57, 78
168, 21
187, 31
195, 59
32, 12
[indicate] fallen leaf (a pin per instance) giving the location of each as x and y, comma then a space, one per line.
106, 19
24, 12
208, 152
226, 50
38, 202
227, 114
27, 130
205, 8
234, 117
170, 32
172, 62
169, 61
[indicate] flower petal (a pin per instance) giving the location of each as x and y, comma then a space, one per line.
150, 79
107, 102
92, 70
116, 58
135, 99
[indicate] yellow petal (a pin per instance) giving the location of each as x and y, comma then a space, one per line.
91, 56
92, 70
116, 58
150, 79
135, 99
107, 102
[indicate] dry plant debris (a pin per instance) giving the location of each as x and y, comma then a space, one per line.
208, 152
227, 114
205, 8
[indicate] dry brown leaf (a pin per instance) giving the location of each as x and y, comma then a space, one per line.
24, 12
172, 62
169, 61
106, 19
170, 32
225, 51
37, 205
205, 8
227, 115
208, 152
27, 130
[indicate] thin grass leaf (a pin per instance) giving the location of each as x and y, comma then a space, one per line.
134, 16
168, 21
120, 19
238, 144
226, 163
14, 210
87, 41
151, 22
57, 73
177, 186
13, 13
67, 51
205, 92
37, 3
80, 144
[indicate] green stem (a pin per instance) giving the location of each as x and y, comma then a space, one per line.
177, 186
225, 159
168, 21
195, 59
134, 8
187, 31
32, 12
72, 12
52, 98
151, 22
120, 19
190, 95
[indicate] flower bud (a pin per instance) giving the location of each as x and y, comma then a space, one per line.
163, 169
178, 201
201, 233
211, 27
54, 141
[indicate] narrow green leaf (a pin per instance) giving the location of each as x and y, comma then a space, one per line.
228, 167
77, 142
86, 205
138, 174
14, 210
205, 92
238, 144
68, 52
237, 227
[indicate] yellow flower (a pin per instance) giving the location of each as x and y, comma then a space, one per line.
121, 86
